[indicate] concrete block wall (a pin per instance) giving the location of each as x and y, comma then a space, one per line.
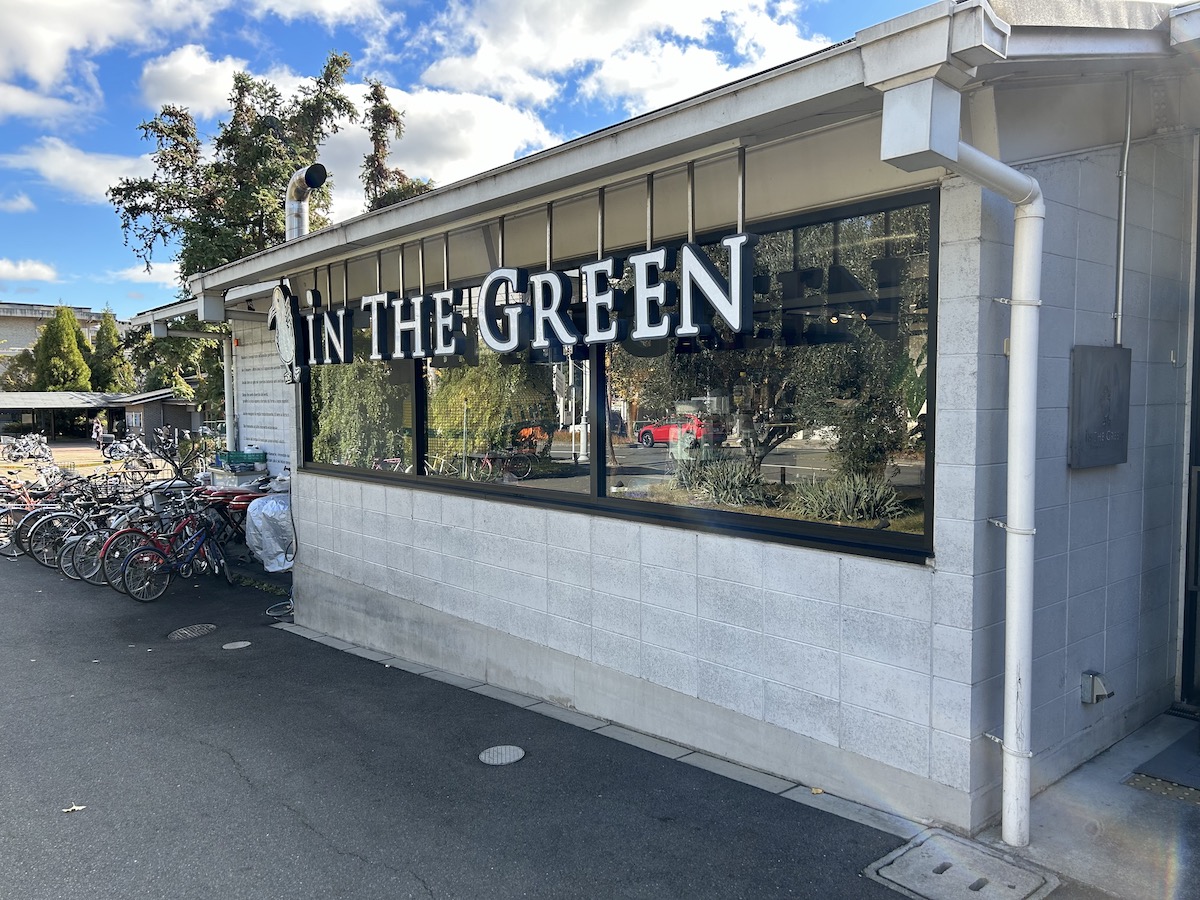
1109, 539
266, 405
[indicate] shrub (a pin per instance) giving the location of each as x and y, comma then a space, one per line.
847, 498
728, 482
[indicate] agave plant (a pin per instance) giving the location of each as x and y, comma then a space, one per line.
847, 498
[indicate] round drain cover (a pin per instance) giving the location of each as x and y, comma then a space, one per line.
235, 645
501, 756
191, 631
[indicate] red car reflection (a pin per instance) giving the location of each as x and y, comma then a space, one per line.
687, 429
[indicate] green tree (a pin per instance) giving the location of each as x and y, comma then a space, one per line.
20, 373
362, 412
58, 362
497, 396
385, 185
211, 211
204, 211
111, 371
170, 362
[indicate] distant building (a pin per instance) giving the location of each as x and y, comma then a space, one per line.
19, 324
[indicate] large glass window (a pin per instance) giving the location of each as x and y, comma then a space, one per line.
817, 415
362, 412
511, 419
809, 424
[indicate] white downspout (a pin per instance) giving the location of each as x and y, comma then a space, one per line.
921, 129
1030, 217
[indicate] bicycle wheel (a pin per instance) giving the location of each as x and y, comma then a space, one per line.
520, 465
86, 556
66, 557
481, 469
284, 610
25, 526
115, 551
146, 574
47, 535
218, 561
9, 518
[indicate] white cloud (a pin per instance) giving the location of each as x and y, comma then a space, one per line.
163, 274
190, 77
26, 270
447, 137
40, 37
523, 50
17, 203
329, 12
19, 102
652, 73
84, 176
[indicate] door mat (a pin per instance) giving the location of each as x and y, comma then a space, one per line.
1178, 764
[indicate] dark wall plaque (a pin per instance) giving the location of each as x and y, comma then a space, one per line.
1099, 412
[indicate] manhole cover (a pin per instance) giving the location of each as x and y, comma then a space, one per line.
191, 631
235, 645
501, 756
940, 866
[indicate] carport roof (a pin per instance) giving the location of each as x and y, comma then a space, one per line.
59, 400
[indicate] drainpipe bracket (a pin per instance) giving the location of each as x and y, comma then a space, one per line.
1008, 301
1012, 529
1023, 754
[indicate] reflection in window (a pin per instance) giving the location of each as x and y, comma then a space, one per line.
510, 419
362, 412
818, 415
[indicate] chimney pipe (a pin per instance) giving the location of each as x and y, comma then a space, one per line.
303, 182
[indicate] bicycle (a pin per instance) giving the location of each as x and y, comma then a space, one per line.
121, 543
148, 571
282, 611
494, 465
444, 466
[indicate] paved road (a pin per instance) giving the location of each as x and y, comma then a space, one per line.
289, 769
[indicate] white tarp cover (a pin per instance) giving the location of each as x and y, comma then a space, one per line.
269, 533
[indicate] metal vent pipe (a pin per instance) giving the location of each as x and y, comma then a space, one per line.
295, 208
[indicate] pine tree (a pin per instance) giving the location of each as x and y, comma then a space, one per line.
111, 371
384, 184
58, 362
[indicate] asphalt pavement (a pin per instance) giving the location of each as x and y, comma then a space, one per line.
288, 768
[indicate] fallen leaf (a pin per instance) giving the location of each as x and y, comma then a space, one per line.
817, 791
74, 807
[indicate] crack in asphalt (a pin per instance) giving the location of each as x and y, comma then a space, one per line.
341, 851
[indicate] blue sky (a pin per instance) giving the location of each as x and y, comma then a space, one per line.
482, 82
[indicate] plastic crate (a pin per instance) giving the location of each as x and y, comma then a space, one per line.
244, 456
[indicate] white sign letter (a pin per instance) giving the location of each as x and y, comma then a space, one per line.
550, 292
732, 300
599, 294
516, 315
648, 289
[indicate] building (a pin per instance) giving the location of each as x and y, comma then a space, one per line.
954, 257
22, 411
